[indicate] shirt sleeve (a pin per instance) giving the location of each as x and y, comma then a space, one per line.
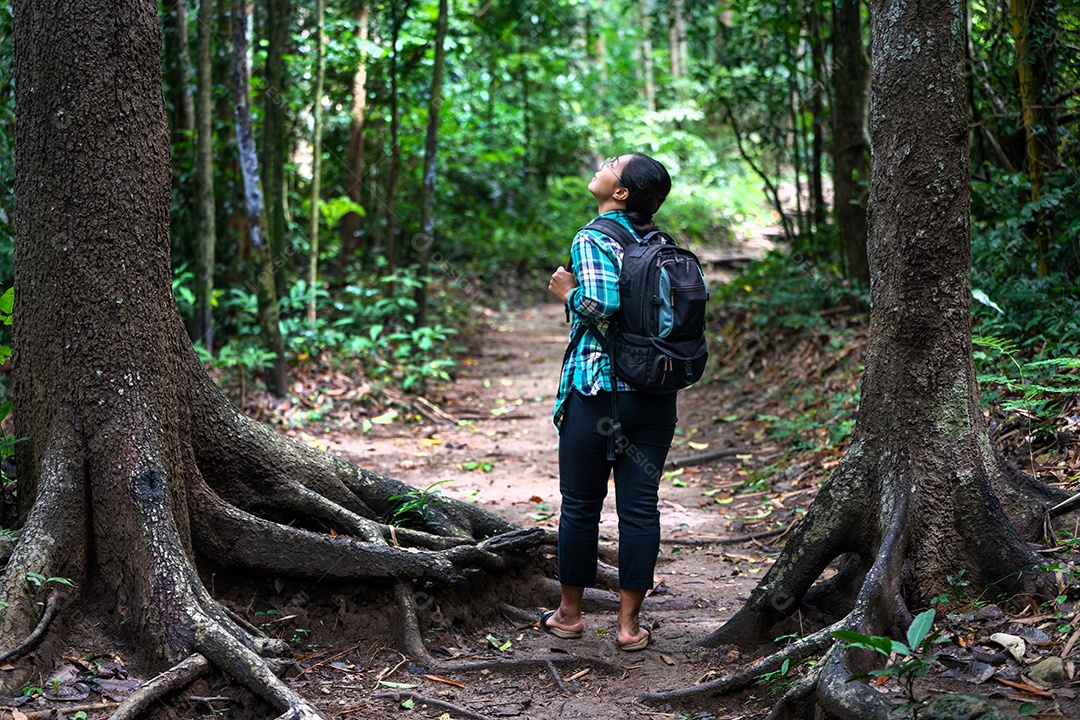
597, 273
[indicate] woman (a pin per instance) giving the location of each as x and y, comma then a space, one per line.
628, 189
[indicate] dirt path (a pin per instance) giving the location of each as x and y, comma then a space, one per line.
504, 456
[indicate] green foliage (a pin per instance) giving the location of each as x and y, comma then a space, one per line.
7, 304
786, 291
1035, 389
411, 509
913, 661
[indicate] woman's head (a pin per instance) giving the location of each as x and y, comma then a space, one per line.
646, 184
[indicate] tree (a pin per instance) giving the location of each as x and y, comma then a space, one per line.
206, 232
350, 222
316, 153
921, 493
266, 290
850, 145
135, 465
431, 147
278, 21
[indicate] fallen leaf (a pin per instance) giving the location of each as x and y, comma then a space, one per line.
16, 715
1027, 688
1015, 645
396, 686
698, 445
7, 667
436, 678
667, 660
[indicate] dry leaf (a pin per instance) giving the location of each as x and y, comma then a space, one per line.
666, 659
7, 667
16, 715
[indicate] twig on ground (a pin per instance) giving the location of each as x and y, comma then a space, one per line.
173, 679
558, 678
398, 695
69, 709
706, 457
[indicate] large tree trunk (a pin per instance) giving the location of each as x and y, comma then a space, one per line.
850, 147
431, 146
350, 222
135, 464
206, 232
920, 494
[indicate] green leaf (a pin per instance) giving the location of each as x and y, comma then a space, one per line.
396, 686
1027, 708
919, 627
7, 301
408, 703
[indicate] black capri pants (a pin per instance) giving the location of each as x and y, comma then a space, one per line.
648, 426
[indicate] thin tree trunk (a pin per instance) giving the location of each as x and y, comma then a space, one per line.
647, 55
350, 223
431, 146
265, 291
178, 60
817, 78
395, 148
674, 46
796, 133
274, 149
850, 148
316, 162
206, 233
1034, 69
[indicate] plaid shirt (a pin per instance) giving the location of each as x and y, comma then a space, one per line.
596, 260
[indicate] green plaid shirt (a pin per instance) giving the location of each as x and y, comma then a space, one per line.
596, 260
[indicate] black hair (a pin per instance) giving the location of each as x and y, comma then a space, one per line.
649, 184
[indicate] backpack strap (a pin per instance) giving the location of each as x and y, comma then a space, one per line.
613, 230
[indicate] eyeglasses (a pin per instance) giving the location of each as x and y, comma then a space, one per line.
610, 164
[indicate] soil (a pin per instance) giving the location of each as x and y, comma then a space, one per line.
488, 438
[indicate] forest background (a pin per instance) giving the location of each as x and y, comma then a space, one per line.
436, 168
422, 160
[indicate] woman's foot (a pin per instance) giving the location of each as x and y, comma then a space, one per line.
634, 641
558, 625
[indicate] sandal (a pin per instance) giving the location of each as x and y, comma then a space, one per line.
542, 623
638, 644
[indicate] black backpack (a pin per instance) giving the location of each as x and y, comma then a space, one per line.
657, 338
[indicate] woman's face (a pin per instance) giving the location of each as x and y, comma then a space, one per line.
608, 177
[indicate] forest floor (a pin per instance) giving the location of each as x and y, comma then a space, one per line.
749, 463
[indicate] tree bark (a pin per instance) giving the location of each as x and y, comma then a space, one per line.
206, 232
316, 161
278, 20
920, 494
431, 146
277, 378
850, 146
136, 467
350, 222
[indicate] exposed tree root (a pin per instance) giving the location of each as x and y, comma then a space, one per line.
56, 602
872, 588
167, 682
399, 696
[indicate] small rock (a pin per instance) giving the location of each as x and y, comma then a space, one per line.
962, 707
1047, 672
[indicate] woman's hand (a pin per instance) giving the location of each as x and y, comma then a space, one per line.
562, 282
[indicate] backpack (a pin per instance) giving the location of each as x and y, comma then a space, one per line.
656, 341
